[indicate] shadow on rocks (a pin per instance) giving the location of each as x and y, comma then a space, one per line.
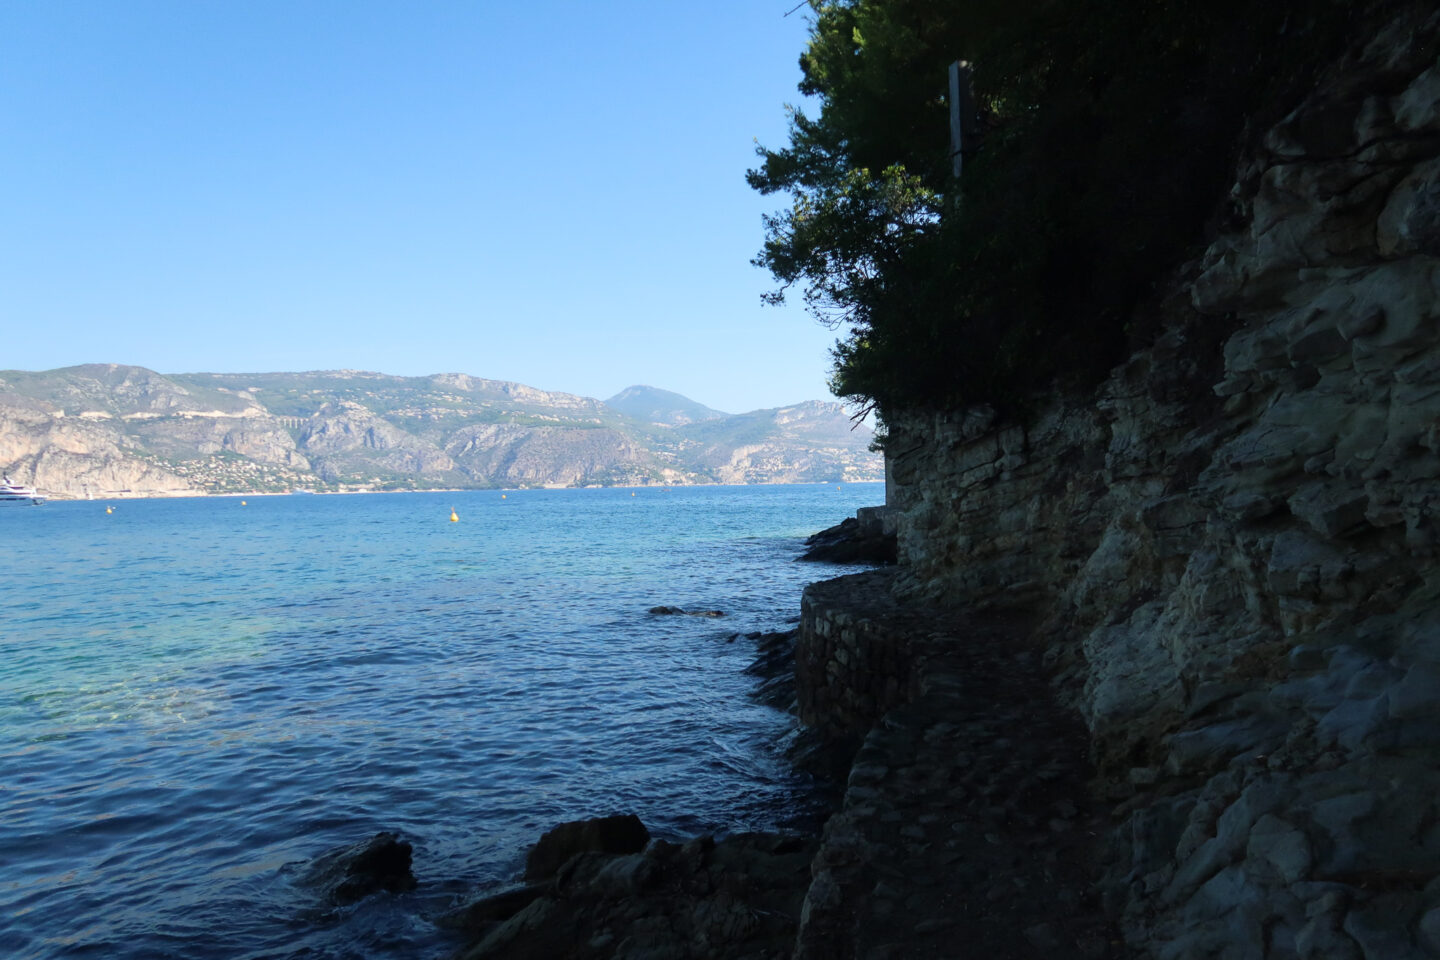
737, 897
851, 542
821, 753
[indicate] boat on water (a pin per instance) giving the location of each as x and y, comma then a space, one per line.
15, 493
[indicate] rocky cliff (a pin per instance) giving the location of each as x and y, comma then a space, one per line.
113, 430
1228, 552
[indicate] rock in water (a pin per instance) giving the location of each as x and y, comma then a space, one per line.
485, 913
682, 612
354, 872
618, 834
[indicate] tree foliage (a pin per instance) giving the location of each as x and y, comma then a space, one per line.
1108, 133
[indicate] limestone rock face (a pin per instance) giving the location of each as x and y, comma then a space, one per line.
1233, 545
257, 438
516, 454
73, 456
347, 436
805, 443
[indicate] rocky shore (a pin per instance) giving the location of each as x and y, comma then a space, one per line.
603, 888
962, 816
1157, 673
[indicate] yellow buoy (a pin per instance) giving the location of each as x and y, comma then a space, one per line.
454, 517
109, 509
632, 493
502, 496
242, 503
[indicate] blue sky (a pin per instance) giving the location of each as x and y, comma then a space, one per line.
550, 192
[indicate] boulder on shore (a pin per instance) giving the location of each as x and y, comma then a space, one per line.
852, 541
619, 834
735, 898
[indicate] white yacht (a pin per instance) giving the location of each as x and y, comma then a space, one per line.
14, 493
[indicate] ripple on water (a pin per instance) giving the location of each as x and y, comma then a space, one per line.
195, 704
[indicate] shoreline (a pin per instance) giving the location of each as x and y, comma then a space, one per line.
712, 895
941, 824
936, 822
193, 495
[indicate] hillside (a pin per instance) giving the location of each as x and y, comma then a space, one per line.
661, 406
115, 430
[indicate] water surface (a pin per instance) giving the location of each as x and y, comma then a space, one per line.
198, 696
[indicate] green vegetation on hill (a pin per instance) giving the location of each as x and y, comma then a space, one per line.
117, 389
661, 406
1108, 130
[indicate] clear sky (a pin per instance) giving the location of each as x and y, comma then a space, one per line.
546, 191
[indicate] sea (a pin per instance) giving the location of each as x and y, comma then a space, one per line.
199, 696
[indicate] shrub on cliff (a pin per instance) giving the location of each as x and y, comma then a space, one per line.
1109, 130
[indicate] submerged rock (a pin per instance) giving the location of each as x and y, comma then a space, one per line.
682, 612
485, 913
355, 872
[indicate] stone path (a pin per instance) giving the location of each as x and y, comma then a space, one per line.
965, 831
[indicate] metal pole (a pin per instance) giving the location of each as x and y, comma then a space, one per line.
962, 114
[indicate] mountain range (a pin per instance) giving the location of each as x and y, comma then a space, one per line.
108, 430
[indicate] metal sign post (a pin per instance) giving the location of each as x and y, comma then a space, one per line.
962, 114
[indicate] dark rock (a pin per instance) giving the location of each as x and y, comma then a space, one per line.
616, 835
682, 612
356, 871
851, 542
493, 909
774, 664
825, 754
735, 898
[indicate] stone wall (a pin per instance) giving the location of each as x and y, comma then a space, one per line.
1232, 547
853, 658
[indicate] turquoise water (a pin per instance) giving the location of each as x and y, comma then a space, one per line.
198, 696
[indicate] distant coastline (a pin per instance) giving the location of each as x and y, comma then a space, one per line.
240, 495
96, 430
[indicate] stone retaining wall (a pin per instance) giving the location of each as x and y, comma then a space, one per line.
854, 658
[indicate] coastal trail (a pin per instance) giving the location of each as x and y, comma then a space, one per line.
966, 828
